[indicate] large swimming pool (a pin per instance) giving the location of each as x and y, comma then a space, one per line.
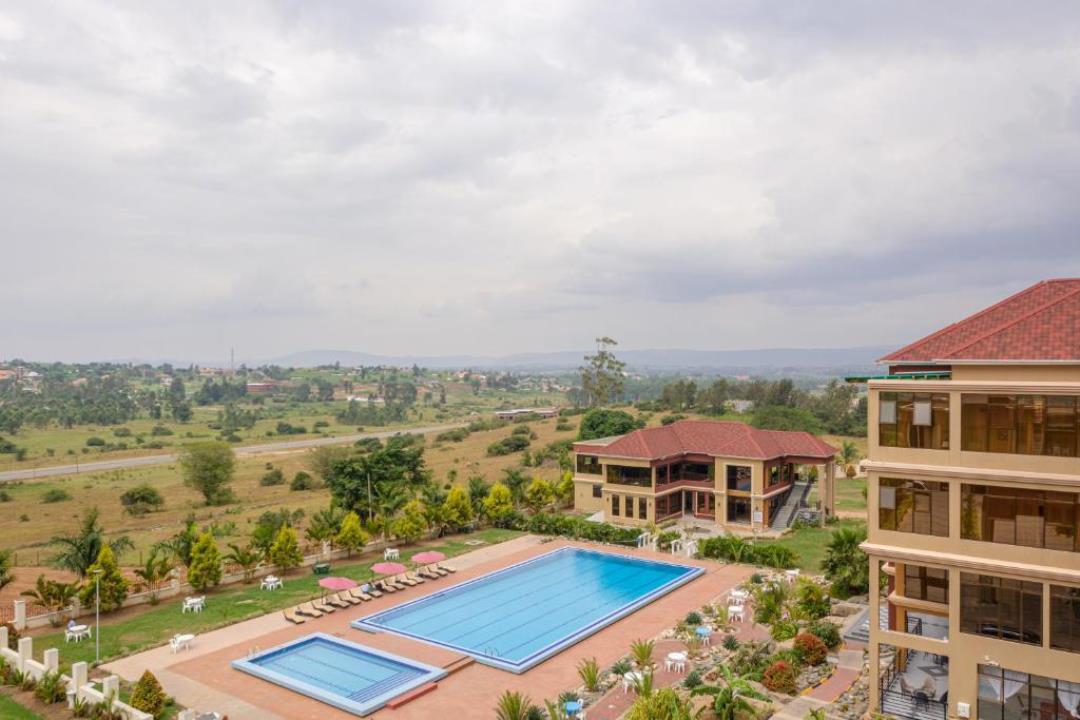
349, 676
519, 616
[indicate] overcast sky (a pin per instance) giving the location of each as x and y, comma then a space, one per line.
489, 178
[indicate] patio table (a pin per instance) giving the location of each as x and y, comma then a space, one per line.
391, 554
631, 679
76, 633
676, 661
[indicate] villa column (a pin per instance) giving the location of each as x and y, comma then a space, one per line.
874, 681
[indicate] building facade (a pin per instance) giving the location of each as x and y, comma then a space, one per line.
974, 515
726, 472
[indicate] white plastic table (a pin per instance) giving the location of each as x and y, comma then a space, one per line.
181, 642
76, 633
676, 661
194, 604
391, 554
738, 594
736, 613
271, 583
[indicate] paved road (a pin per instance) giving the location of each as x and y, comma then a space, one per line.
243, 450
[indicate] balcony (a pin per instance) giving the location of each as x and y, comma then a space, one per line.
915, 686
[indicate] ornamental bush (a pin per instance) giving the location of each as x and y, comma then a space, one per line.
272, 477
205, 568
827, 632
113, 586
810, 648
148, 694
779, 677
302, 481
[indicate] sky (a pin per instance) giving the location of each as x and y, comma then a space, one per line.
179, 179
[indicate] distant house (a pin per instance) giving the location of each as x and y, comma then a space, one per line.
546, 412
261, 388
741, 406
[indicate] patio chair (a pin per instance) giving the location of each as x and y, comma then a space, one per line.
446, 568
905, 687
437, 570
360, 595
428, 574
293, 617
404, 578
309, 610
385, 587
347, 596
397, 583
371, 590
415, 578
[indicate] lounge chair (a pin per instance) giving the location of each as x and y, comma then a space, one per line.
428, 573
406, 580
310, 610
359, 594
446, 568
415, 578
293, 617
346, 596
397, 583
371, 590
322, 607
385, 587
438, 570
337, 602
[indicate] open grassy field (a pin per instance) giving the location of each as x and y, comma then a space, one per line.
29, 523
55, 445
130, 631
810, 543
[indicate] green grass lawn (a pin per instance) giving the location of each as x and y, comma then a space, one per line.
11, 710
155, 625
810, 543
849, 494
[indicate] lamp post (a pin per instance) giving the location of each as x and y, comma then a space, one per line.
97, 615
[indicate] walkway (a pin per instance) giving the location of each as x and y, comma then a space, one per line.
847, 671
244, 450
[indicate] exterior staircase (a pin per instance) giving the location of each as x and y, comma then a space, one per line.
795, 499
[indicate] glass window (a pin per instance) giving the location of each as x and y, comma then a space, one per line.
615, 505
914, 420
588, 465
738, 478
1065, 618
1012, 695
636, 476
597, 491
1019, 516
913, 506
1002, 608
642, 509
629, 506
923, 583
1021, 424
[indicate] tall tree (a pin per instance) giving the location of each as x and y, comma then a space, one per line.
602, 374
80, 551
6, 576
351, 536
208, 468
205, 569
105, 577
285, 552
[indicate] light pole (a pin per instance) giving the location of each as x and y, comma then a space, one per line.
97, 615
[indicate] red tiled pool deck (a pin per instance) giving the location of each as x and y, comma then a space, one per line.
204, 680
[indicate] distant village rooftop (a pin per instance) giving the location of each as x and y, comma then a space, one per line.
1038, 325
714, 438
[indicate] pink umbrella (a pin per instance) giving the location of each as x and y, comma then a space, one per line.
430, 556
388, 568
337, 583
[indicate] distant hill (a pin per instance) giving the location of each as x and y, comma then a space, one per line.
858, 358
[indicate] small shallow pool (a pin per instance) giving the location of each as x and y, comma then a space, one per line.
521, 615
352, 677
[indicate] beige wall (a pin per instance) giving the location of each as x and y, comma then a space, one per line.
954, 466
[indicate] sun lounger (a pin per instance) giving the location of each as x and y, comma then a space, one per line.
309, 610
293, 617
337, 602
321, 606
406, 580
438, 570
415, 578
428, 573
358, 594
346, 596
385, 587
371, 590
396, 583
446, 568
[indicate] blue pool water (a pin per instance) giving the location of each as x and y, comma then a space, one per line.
520, 616
341, 673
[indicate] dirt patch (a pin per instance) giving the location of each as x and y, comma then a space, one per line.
59, 711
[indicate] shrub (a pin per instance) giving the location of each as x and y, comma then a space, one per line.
621, 667
810, 601
148, 694
142, 499
122, 432
670, 419
272, 477
779, 677
756, 579
693, 618
368, 444
455, 435
160, 431
205, 568
302, 481
112, 584
731, 642
50, 688
580, 528
95, 442
751, 658
320, 424
5, 496
55, 495
810, 648
507, 446
784, 630
692, 680
827, 632
589, 672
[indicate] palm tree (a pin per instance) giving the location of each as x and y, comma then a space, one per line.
730, 697
78, 552
52, 595
846, 565
389, 499
325, 525
179, 545
154, 572
516, 481
848, 456
247, 558
642, 651
513, 706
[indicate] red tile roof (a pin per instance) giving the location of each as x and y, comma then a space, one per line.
699, 437
1041, 323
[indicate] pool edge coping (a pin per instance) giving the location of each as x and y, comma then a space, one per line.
432, 674
692, 572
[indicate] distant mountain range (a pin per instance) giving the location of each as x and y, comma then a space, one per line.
857, 358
